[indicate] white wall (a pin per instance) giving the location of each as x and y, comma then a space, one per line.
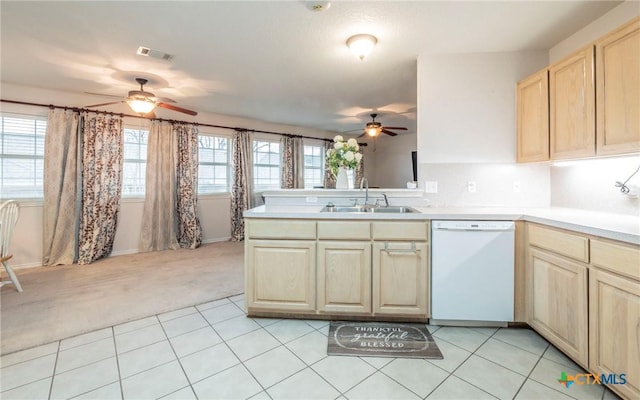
214, 211
466, 105
467, 129
389, 166
596, 29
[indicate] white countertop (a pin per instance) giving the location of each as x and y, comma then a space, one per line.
625, 228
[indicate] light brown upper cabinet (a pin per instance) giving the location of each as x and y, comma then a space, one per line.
618, 90
533, 118
572, 106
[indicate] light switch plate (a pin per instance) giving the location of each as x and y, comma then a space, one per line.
310, 199
471, 186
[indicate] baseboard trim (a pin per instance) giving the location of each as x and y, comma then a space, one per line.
113, 254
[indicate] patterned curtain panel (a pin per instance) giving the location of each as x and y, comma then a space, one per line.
242, 188
329, 179
62, 180
101, 187
292, 162
189, 232
159, 215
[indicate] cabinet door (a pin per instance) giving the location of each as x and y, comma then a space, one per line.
344, 277
614, 336
572, 106
618, 91
400, 278
280, 275
533, 118
559, 302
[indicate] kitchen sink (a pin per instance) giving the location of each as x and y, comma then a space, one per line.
369, 209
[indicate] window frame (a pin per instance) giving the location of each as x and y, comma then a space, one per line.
142, 162
320, 145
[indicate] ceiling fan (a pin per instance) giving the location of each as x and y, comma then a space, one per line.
374, 128
144, 103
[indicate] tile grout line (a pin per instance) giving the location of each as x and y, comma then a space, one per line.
530, 372
53, 374
232, 352
115, 349
168, 362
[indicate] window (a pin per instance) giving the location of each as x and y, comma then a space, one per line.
21, 157
313, 166
266, 165
213, 164
135, 162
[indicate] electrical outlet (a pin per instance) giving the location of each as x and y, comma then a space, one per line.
310, 199
431, 186
516, 187
471, 186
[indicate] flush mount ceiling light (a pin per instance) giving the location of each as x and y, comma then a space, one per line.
361, 45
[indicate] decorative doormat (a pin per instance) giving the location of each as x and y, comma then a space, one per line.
377, 339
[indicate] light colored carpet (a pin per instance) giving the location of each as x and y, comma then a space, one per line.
64, 301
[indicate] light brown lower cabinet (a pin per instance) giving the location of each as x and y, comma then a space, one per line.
344, 277
558, 308
280, 275
401, 278
614, 329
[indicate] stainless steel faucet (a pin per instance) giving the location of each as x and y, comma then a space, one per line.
386, 200
365, 182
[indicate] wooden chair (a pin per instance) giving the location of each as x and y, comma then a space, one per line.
9, 211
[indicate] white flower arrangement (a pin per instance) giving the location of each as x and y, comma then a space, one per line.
344, 154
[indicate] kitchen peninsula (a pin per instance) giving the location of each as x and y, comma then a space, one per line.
302, 262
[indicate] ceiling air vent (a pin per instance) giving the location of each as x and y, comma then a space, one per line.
147, 52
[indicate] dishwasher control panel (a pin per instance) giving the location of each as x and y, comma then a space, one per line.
474, 225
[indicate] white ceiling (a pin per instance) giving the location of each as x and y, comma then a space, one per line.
274, 61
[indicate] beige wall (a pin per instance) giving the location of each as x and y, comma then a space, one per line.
389, 166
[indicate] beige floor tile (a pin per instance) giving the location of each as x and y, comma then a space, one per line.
182, 394
86, 338
233, 383
184, 324
235, 327
548, 372
343, 372
177, 314
145, 358
213, 304
526, 339
380, 386
466, 338
111, 391
532, 390
195, 341
494, 379
155, 382
30, 391
221, 313
27, 372
453, 356
139, 338
454, 388
208, 362
289, 329
310, 348
415, 374
85, 354
553, 354
252, 344
306, 384
29, 354
509, 356
273, 366
135, 325
84, 379
377, 362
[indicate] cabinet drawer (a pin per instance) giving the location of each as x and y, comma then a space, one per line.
280, 229
566, 244
352, 230
618, 258
400, 230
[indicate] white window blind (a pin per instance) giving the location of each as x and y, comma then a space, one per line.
135, 162
22, 157
313, 166
266, 165
213, 164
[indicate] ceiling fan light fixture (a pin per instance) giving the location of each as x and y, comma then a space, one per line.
362, 45
141, 106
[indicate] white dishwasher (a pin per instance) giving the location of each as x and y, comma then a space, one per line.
472, 272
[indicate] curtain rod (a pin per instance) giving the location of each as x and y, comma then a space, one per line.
80, 109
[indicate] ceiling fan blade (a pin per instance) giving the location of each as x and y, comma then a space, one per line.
176, 108
150, 115
105, 104
362, 134
389, 132
398, 128
163, 100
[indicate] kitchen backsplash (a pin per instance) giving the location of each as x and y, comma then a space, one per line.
590, 185
496, 185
